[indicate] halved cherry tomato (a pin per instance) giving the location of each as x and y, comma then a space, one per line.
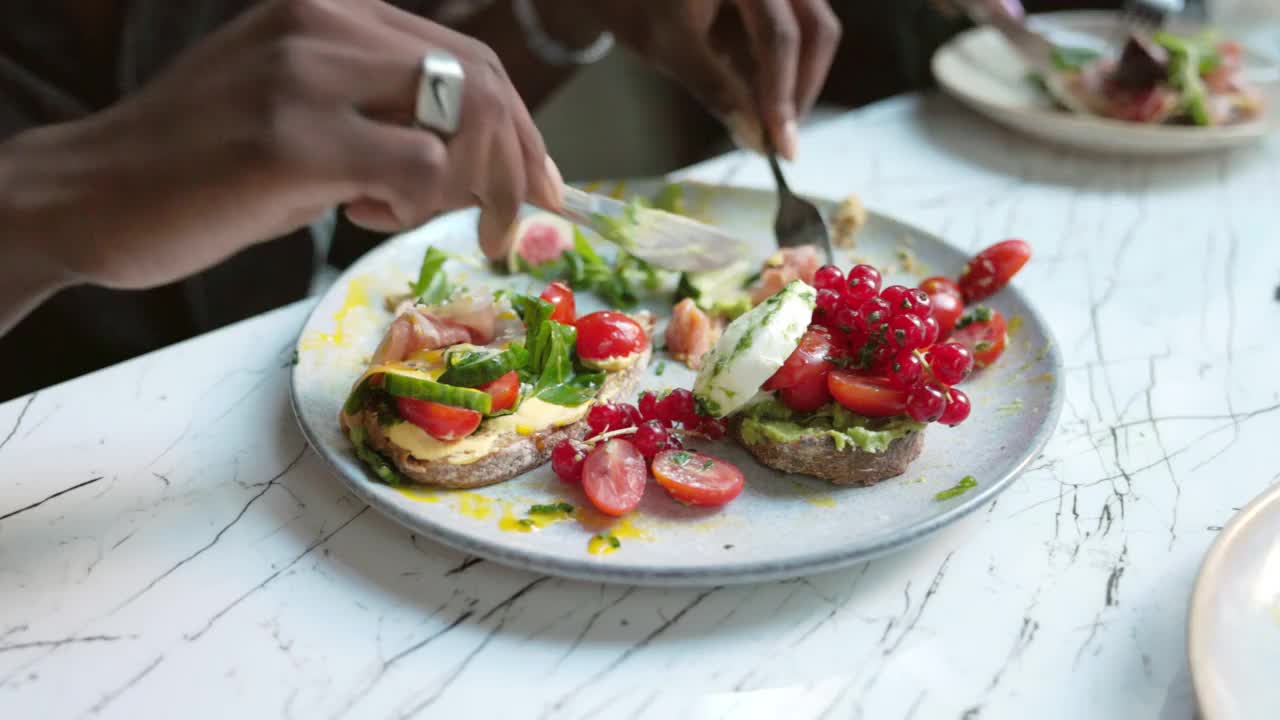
614, 476
939, 284
868, 396
992, 269
561, 298
808, 360
947, 309
807, 396
504, 391
697, 479
442, 422
607, 334
985, 333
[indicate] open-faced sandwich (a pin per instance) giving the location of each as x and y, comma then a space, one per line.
471, 388
1164, 79
840, 379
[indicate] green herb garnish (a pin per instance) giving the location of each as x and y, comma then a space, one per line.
682, 457
562, 507
960, 488
614, 542
661, 368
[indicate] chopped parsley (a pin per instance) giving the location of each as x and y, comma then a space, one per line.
982, 346
613, 541
682, 458
562, 507
982, 313
967, 483
661, 368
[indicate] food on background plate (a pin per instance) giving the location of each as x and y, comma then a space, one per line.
470, 388
849, 217
1163, 78
840, 380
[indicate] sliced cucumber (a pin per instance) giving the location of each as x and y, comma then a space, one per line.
418, 387
475, 368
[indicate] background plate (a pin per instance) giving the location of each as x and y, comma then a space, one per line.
979, 68
781, 526
1233, 633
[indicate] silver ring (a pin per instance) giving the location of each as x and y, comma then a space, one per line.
439, 103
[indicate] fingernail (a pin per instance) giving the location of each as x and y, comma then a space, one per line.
556, 181
745, 132
790, 140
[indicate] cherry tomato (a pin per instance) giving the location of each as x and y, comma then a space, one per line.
807, 361
614, 476
697, 479
445, 423
504, 391
561, 298
938, 284
607, 334
807, 396
868, 396
947, 309
992, 269
984, 332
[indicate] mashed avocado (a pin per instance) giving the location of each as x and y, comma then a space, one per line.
771, 420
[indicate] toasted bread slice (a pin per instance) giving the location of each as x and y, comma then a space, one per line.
513, 454
819, 457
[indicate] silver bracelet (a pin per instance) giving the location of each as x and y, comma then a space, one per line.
547, 48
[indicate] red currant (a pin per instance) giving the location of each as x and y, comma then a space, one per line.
652, 438
829, 302
602, 418
951, 362
931, 331
906, 331
863, 284
631, 415
711, 428
906, 369
678, 407
829, 277
872, 315
958, 408
649, 406
921, 305
926, 403
880, 357
566, 460
846, 319
896, 297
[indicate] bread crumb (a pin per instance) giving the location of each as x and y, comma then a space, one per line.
849, 217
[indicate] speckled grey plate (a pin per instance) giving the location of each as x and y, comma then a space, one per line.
781, 526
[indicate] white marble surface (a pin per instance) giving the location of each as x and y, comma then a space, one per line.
169, 547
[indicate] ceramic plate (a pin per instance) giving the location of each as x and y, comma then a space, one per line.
781, 526
979, 68
1233, 632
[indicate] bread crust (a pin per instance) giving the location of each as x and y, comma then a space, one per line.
819, 457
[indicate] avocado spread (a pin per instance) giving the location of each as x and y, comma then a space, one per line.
770, 419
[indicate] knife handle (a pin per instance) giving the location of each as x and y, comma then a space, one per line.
580, 207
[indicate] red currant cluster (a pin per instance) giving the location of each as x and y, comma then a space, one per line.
891, 333
656, 425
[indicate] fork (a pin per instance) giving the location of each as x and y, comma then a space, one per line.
798, 222
1148, 15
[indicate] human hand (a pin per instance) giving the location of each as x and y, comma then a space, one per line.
294, 108
743, 59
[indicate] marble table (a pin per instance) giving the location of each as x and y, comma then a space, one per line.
170, 547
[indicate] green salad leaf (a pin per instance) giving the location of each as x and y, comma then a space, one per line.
378, 464
433, 286
552, 369
1070, 59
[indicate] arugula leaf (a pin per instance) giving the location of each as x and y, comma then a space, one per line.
432, 287
574, 391
536, 314
1072, 58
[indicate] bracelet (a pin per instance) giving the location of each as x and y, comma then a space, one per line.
547, 48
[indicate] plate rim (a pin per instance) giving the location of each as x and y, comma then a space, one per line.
745, 573
1181, 139
1198, 608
